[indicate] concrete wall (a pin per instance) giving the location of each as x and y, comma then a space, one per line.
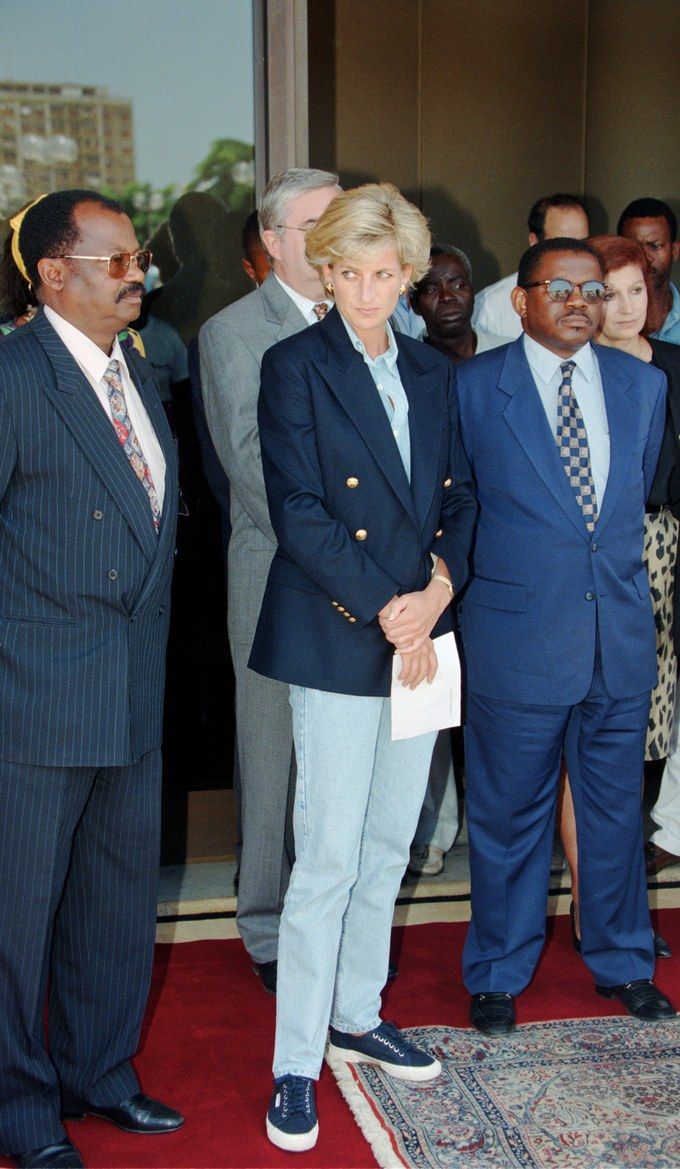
475, 108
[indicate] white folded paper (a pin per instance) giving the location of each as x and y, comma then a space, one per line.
431, 706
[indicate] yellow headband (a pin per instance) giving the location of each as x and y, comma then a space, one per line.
15, 223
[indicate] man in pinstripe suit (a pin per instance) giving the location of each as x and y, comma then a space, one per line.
88, 500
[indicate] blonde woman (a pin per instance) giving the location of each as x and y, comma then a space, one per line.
370, 500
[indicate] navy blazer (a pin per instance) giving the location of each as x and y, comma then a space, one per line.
541, 584
351, 531
84, 579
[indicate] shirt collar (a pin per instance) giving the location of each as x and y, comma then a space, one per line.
390, 355
92, 360
545, 363
674, 313
305, 305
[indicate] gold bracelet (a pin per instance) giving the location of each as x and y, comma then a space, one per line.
445, 581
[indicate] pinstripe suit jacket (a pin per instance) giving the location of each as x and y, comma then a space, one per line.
84, 579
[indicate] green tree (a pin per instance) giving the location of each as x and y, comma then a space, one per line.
147, 208
227, 172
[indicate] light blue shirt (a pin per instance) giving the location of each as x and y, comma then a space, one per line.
385, 374
670, 330
405, 320
587, 386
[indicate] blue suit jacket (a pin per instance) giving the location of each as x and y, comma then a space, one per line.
351, 531
541, 584
84, 580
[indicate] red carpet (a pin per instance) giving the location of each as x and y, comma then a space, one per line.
208, 1039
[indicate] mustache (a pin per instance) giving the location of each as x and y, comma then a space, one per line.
130, 290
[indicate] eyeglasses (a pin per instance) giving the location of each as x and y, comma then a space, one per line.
293, 227
119, 262
560, 289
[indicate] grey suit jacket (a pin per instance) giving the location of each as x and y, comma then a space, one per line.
231, 345
84, 579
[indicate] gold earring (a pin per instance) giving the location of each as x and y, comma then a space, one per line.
402, 290
329, 288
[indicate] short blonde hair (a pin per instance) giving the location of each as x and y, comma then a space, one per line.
365, 219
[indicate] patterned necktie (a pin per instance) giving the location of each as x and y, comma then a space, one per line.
320, 309
572, 439
127, 437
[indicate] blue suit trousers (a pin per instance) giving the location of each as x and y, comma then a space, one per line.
512, 756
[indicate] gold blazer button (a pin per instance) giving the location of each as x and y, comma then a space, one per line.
361, 534
352, 482
447, 482
438, 532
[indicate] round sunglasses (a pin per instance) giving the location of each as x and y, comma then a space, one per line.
560, 289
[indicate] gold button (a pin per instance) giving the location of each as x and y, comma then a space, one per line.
361, 534
340, 609
353, 620
447, 482
346, 614
438, 532
334, 604
352, 482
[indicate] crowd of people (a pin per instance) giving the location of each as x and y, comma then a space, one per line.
395, 461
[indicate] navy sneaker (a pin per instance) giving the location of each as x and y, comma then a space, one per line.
387, 1047
291, 1119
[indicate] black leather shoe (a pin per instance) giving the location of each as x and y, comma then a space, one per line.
63, 1155
138, 1114
641, 998
266, 972
493, 1012
661, 947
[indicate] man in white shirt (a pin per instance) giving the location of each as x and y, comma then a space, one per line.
88, 501
232, 345
552, 217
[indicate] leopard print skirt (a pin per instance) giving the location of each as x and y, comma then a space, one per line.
660, 551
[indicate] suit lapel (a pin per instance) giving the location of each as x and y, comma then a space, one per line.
623, 415
74, 399
526, 418
348, 378
281, 310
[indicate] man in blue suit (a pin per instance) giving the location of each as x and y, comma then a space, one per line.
558, 635
88, 501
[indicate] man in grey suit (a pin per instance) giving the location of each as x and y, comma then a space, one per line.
88, 505
232, 345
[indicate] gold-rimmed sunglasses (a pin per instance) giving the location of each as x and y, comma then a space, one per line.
119, 262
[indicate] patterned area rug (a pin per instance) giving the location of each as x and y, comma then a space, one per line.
571, 1094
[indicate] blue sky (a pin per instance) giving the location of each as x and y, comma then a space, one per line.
186, 65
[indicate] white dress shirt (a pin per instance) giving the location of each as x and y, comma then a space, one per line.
493, 312
305, 305
587, 385
93, 362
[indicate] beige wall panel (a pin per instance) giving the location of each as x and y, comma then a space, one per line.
633, 108
502, 119
363, 89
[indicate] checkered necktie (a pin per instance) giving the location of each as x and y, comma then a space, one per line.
320, 309
127, 437
572, 439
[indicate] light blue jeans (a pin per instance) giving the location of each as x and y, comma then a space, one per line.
357, 803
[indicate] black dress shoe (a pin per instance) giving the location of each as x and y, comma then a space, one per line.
641, 998
266, 972
661, 947
493, 1012
138, 1114
63, 1155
